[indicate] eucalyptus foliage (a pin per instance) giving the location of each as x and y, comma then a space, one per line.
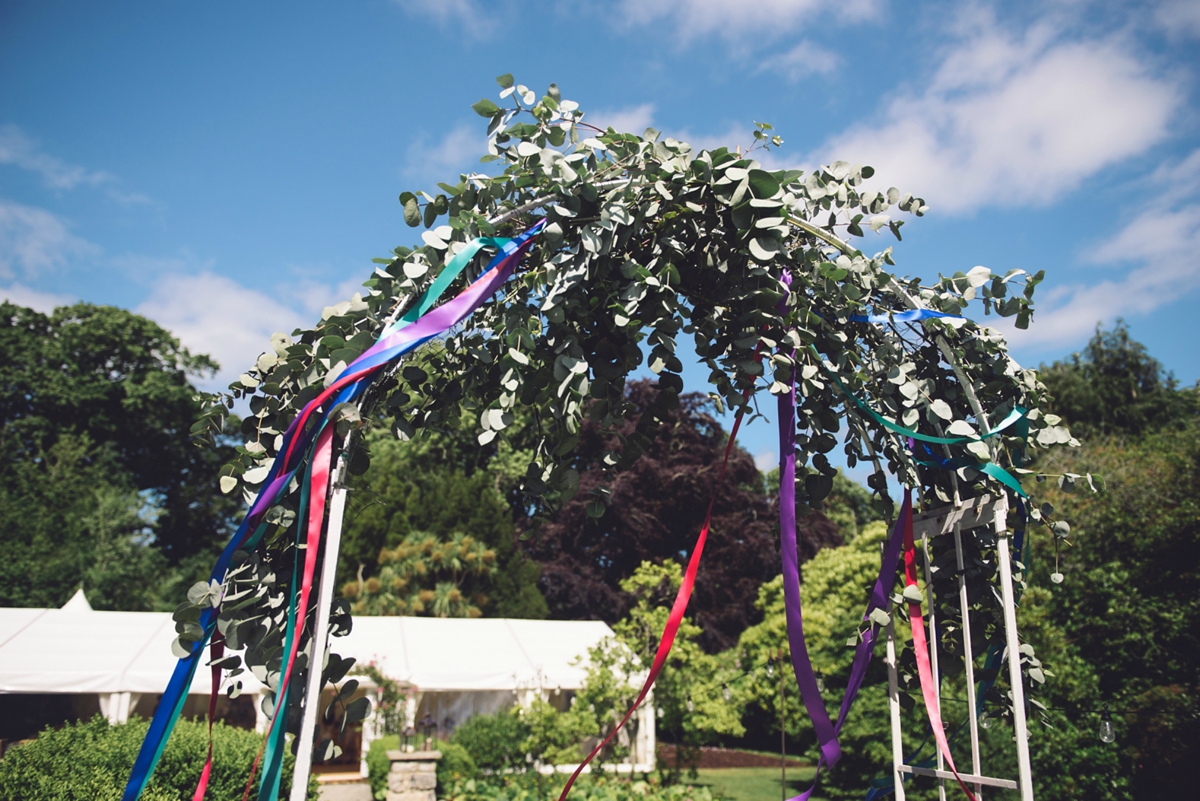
647, 241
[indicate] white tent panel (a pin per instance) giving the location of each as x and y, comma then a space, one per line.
83, 651
67, 651
439, 654
13, 621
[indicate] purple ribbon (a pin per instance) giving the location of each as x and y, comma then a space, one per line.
806, 680
802, 667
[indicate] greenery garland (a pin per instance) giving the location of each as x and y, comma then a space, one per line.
646, 241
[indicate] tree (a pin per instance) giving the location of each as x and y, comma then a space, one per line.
416, 492
1130, 598
68, 519
692, 693
121, 381
1115, 387
654, 512
401, 588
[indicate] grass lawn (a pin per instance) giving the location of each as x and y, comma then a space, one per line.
754, 784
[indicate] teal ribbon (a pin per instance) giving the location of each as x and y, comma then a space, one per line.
452, 270
1017, 417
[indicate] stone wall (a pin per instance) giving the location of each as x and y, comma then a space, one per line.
413, 776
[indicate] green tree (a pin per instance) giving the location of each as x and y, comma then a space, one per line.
406, 572
418, 493
119, 382
68, 519
1130, 598
693, 693
1114, 386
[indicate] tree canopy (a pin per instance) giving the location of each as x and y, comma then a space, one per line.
101, 486
1114, 386
655, 510
435, 492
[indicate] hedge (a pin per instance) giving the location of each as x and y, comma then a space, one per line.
90, 761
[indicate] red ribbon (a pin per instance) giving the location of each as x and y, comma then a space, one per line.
216, 651
680, 606
921, 649
322, 458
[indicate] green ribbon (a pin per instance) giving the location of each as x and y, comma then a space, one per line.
1018, 417
268, 789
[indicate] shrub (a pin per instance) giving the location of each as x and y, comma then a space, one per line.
493, 741
378, 765
532, 786
455, 766
90, 761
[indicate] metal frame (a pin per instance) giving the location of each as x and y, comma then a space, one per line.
952, 520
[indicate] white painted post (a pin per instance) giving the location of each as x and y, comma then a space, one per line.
647, 731
320, 636
894, 711
968, 658
1024, 769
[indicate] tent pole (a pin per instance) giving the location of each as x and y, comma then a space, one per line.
320, 636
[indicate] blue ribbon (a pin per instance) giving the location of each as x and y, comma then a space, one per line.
907, 316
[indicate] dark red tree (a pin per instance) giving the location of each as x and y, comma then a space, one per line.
655, 512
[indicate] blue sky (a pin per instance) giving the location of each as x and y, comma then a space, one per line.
228, 169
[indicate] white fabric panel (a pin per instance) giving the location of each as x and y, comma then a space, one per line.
12, 621
65, 651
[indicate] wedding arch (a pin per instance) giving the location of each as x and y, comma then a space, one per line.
542, 283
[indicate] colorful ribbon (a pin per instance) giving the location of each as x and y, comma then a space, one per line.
921, 651
802, 667
907, 316
409, 333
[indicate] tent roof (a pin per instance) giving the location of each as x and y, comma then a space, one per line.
475, 654
84, 651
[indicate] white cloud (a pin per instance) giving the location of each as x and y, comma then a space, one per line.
30, 298
804, 59
313, 296
1013, 120
33, 240
19, 150
470, 15
692, 18
216, 315
458, 151
1179, 17
634, 119
1160, 243
766, 461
